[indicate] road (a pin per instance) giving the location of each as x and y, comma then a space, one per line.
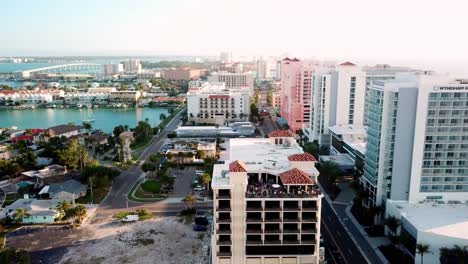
268, 125
116, 199
336, 236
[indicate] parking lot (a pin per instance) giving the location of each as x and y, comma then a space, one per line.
184, 179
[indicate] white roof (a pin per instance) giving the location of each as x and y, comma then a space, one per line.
442, 219
348, 129
258, 154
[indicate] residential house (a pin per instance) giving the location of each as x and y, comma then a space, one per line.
65, 191
48, 174
39, 211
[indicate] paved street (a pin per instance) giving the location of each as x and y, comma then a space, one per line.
268, 125
335, 235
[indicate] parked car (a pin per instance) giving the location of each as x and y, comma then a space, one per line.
199, 188
130, 218
200, 214
199, 228
199, 172
201, 221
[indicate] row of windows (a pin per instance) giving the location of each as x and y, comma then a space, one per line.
448, 95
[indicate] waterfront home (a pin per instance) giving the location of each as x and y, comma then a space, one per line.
39, 211
86, 99
69, 190
126, 97
29, 97
48, 174
63, 131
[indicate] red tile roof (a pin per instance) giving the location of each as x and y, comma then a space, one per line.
302, 157
347, 64
295, 176
237, 166
280, 133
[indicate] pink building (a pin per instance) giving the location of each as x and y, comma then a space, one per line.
184, 73
296, 87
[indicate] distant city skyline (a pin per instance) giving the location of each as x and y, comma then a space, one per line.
326, 29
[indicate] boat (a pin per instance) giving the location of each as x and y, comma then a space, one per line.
89, 106
91, 120
95, 106
79, 105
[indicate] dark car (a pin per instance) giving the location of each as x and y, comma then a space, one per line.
199, 228
201, 221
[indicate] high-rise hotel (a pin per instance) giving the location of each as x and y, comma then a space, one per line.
417, 139
266, 203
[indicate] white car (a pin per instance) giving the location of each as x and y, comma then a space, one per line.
199, 188
131, 218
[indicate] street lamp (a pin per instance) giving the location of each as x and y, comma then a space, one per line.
126, 200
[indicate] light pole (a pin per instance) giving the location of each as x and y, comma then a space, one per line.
126, 200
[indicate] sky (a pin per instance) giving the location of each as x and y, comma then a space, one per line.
364, 29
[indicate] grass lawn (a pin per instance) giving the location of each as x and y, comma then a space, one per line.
140, 144
11, 198
98, 193
153, 186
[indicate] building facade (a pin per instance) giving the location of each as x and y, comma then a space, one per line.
416, 140
184, 73
215, 104
296, 88
337, 99
267, 204
233, 80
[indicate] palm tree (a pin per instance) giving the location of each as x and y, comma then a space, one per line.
20, 213
422, 249
205, 180
189, 201
87, 125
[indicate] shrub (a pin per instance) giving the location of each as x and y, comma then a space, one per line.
144, 214
121, 215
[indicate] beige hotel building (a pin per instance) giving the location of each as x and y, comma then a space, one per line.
266, 203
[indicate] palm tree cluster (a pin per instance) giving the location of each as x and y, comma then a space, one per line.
69, 212
454, 255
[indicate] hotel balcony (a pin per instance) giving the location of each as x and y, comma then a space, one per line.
308, 239
272, 217
254, 229
224, 240
272, 206
224, 206
224, 217
309, 217
291, 206
290, 229
224, 194
308, 228
254, 206
272, 228
254, 217
254, 240
291, 217
272, 240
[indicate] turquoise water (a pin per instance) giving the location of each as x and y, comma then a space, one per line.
105, 119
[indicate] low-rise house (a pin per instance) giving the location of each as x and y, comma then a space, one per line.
63, 131
39, 211
192, 151
127, 97
69, 190
98, 139
48, 174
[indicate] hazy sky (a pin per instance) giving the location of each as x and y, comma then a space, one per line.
366, 29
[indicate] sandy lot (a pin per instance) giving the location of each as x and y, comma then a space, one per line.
161, 241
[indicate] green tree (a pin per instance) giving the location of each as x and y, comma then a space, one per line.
19, 214
205, 179
330, 169
422, 249
143, 132
162, 116
118, 130
74, 156
148, 166
87, 125
189, 201
12, 255
312, 148
253, 111
63, 207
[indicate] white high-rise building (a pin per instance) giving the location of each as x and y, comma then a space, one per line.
233, 80
417, 140
416, 161
215, 104
266, 203
338, 98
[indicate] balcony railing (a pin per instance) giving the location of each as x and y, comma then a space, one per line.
308, 241
224, 242
272, 242
224, 254
223, 231
254, 219
291, 208
291, 219
253, 242
273, 231
266, 190
254, 231
254, 208
291, 242
224, 208
223, 220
